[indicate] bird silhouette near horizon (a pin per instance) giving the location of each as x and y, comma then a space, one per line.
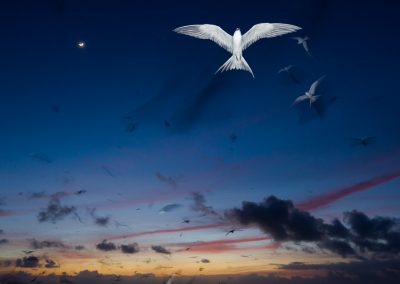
237, 43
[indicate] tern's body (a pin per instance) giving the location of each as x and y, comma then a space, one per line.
236, 43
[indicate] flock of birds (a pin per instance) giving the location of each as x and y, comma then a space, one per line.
235, 44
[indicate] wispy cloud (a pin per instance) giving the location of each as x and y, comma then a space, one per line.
55, 211
335, 195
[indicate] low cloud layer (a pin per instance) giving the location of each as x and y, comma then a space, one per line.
35, 244
359, 233
28, 262
106, 246
130, 249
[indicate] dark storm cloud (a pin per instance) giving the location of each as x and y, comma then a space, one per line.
201, 207
28, 262
106, 246
280, 219
131, 248
3, 241
355, 267
378, 234
35, 244
342, 248
283, 222
160, 249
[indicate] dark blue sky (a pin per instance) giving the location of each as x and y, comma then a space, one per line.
65, 112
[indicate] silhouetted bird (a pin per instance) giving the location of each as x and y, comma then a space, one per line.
364, 141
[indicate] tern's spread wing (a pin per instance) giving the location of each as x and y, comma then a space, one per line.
300, 99
266, 30
211, 32
298, 39
315, 85
305, 46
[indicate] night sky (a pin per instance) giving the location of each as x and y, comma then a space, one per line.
128, 159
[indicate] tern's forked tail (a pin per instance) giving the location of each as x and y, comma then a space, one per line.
235, 64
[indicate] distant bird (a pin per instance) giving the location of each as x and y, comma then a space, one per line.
310, 95
363, 141
287, 70
81, 191
303, 42
231, 232
132, 126
186, 221
28, 251
40, 157
237, 43
167, 124
233, 137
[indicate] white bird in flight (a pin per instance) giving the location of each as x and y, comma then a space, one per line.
237, 43
310, 95
285, 69
303, 42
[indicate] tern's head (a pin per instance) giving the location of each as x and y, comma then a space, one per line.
237, 32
